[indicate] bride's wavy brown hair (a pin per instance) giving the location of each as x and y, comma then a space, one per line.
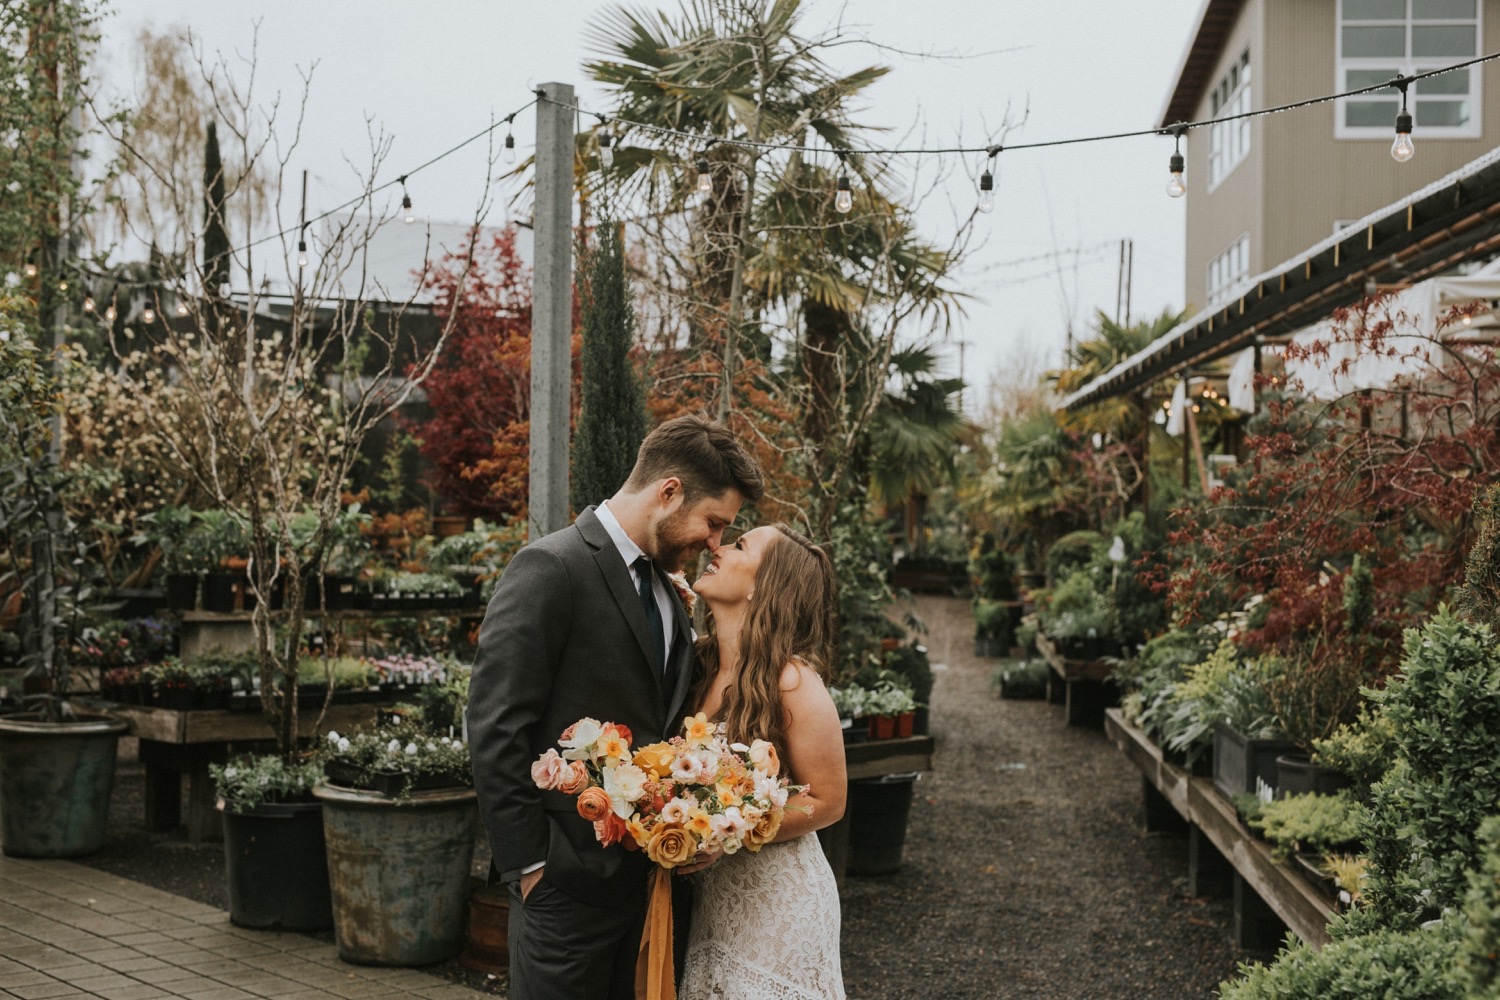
790, 616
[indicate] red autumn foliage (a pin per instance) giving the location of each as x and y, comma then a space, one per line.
477, 439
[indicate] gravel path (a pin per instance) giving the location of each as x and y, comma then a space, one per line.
1026, 872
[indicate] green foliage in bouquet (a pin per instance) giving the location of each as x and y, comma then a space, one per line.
1425, 813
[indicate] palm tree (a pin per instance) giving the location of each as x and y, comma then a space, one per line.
915, 438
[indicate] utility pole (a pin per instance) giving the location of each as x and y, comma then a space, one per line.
1122, 283
963, 378
551, 311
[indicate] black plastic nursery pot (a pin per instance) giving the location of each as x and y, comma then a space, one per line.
1245, 765
879, 809
276, 867
1296, 774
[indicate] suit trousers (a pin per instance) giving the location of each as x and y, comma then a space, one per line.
562, 948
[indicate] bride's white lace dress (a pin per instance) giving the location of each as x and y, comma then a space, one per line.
765, 927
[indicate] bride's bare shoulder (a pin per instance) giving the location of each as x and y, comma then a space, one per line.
799, 673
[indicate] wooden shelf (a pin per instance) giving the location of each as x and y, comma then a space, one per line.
168, 725
244, 617
875, 758
1069, 669
1278, 884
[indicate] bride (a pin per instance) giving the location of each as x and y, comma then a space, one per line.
765, 926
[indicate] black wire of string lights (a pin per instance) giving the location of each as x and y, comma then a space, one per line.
1402, 149
508, 153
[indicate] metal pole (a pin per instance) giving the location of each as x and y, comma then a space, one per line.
551, 311
1129, 275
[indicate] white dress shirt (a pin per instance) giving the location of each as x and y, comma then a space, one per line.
630, 552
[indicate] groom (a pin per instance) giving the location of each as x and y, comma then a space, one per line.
584, 623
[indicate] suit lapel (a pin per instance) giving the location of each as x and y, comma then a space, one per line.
617, 576
681, 659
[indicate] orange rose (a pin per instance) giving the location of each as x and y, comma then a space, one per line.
574, 779
610, 830
670, 846
656, 758
593, 804
765, 830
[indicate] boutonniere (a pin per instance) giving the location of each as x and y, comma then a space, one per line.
685, 593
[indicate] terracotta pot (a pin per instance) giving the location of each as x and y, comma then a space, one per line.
882, 727
904, 724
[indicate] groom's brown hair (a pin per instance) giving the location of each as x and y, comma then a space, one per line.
703, 453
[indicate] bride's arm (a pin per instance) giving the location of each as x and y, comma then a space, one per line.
814, 753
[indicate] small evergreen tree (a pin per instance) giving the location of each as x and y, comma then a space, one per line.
612, 421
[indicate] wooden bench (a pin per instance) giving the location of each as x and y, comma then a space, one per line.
1223, 853
175, 744
1078, 685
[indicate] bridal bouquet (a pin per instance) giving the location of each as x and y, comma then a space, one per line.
693, 795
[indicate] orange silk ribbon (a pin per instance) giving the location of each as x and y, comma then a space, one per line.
654, 977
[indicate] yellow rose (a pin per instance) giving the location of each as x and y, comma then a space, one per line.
656, 758
765, 830
670, 846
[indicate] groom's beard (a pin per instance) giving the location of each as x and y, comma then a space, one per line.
674, 546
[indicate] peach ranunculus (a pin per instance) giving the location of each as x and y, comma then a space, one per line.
697, 730
670, 846
763, 755
593, 803
764, 831
655, 758
610, 830
549, 770
575, 780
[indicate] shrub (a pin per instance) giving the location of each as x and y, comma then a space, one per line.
1312, 823
994, 571
1362, 749
1076, 610
1072, 552
1220, 689
1481, 950
992, 620
910, 663
1389, 964
1425, 813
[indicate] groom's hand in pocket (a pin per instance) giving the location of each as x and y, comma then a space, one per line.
529, 881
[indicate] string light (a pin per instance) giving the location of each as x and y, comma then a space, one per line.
843, 199
30, 268
62, 286
510, 140
148, 315
607, 146
1402, 149
410, 216
182, 309
705, 179
987, 183
1175, 186
110, 313
302, 247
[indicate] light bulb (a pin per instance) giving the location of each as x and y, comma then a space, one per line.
148, 315
31, 269
843, 201
110, 314
88, 304
510, 148
301, 253
1176, 188
182, 309
1402, 149
607, 151
986, 192
406, 207
705, 179
62, 286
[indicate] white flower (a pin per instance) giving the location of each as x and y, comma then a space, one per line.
343, 744
431, 745
625, 785
739, 748
730, 824
394, 746
677, 811
586, 733
231, 772
333, 737
411, 749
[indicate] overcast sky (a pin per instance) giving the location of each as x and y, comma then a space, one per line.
432, 74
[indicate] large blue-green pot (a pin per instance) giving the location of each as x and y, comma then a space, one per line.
399, 872
55, 783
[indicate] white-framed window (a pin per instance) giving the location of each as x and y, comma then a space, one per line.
1228, 270
1379, 39
1228, 142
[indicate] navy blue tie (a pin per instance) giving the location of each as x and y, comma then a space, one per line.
653, 613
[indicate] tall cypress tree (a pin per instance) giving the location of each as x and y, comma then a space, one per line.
612, 423
215, 237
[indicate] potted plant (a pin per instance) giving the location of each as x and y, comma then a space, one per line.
994, 632
852, 704
220, 537
1078, 619
275, 861
170, 530
400, 817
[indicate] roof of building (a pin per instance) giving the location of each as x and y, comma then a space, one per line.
1215, 21
1453, 219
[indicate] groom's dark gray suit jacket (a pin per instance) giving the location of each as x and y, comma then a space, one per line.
564, 638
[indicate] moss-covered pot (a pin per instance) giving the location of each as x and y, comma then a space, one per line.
55, 783
399, 872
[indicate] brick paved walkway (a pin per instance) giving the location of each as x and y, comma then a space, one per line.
71, 931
